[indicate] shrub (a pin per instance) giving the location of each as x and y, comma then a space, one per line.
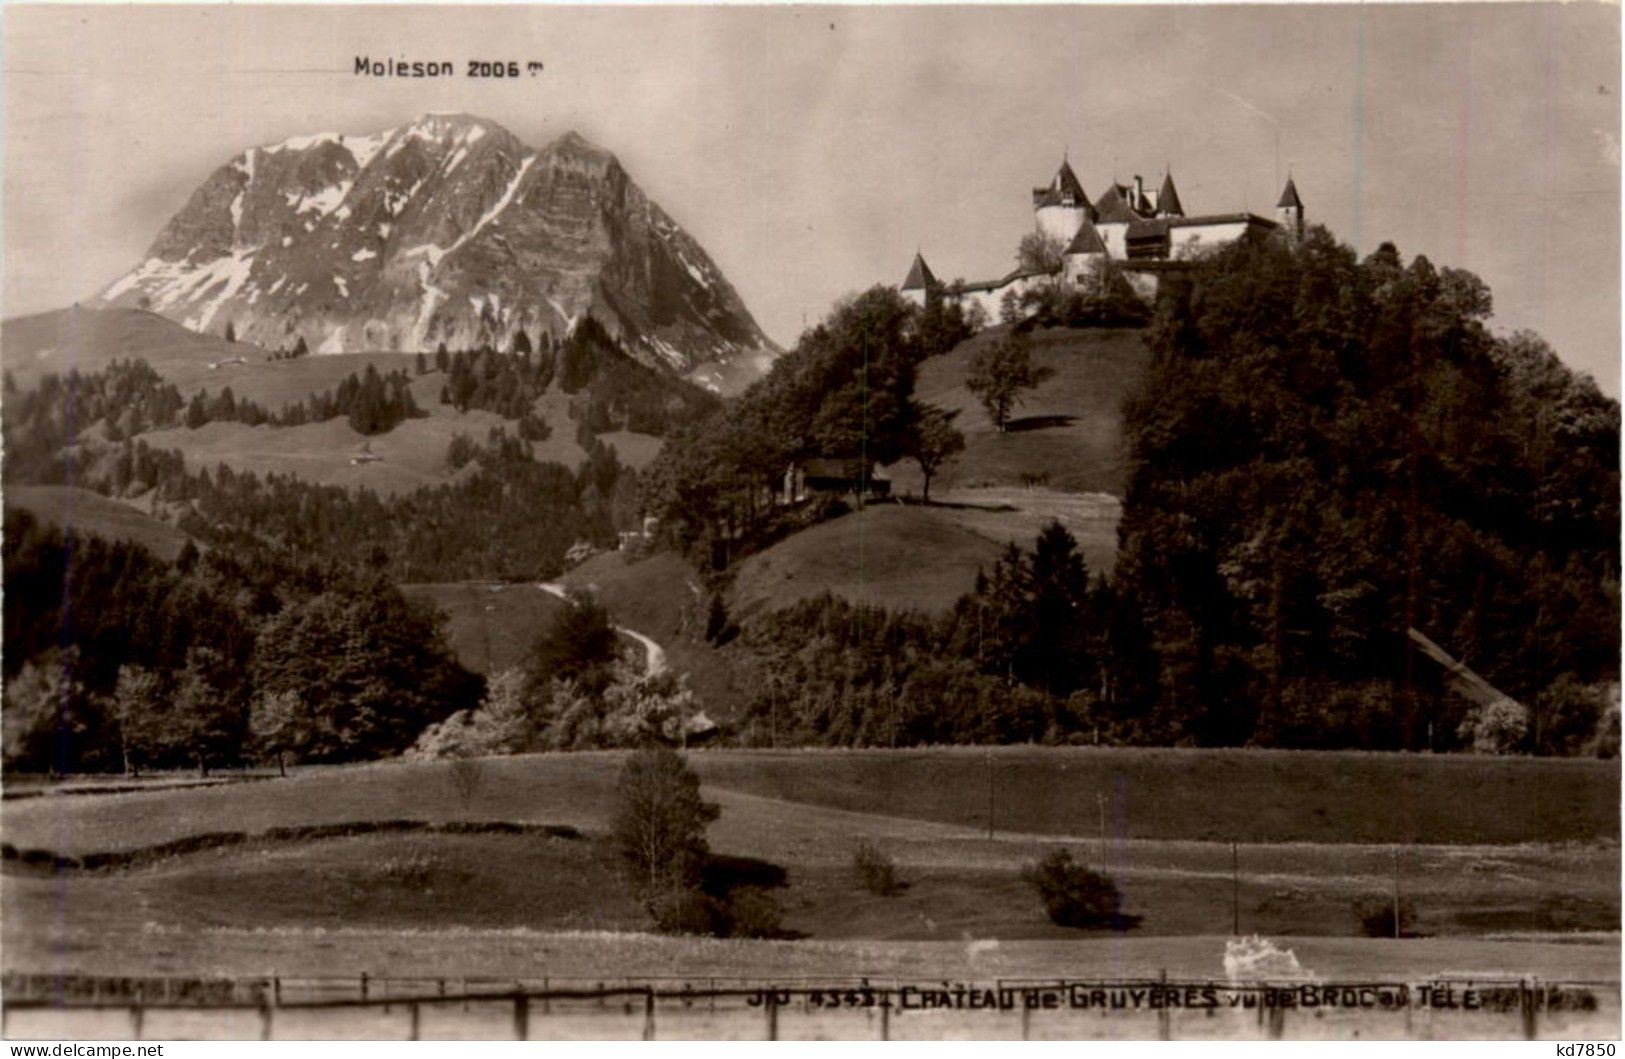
1073, 895
874, 870
754, 913
683, 910
466, 774
1376, 917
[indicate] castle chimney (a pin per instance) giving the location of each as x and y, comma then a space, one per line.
1139, 192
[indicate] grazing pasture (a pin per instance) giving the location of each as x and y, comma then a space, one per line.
83, 511
1066, 434
1520, 866
491, 626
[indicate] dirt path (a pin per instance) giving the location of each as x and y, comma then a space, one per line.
653, 654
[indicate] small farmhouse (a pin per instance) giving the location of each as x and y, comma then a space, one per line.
821, 475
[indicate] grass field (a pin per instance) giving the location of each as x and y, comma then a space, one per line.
411, 455
1269, 796
88, 512
407, 457
1251, 796
491, 627
1068, 430
90, 339
1539, 855
912, 557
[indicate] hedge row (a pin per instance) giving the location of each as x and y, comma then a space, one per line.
48, 860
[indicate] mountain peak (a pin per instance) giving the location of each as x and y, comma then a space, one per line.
573, 143
444, 229
451, 119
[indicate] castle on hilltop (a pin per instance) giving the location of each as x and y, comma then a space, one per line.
1138, 232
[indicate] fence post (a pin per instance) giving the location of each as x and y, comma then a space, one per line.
1526, 1008
772, 1018
137, 1017
1164, 1023
413, 1032
1026, 1019
649, 1013
1276, 1021
276, 990
363, 987
885, 1018
521, 1017
265, 1021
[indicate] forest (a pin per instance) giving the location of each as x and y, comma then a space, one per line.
1327, 453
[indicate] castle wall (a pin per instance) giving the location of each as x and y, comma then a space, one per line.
991, 299
1114, 234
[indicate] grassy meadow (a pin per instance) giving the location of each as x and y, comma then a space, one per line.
1522, 865
491, 626
86, 512
911, 557
1067, 432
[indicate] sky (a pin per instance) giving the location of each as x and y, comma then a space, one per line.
812, 150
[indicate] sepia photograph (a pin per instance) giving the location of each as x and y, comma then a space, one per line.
1063, 522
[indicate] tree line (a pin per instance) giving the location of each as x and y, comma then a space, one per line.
845, 392
1326, 453
117, 660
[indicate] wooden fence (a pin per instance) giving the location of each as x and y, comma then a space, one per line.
363, 1007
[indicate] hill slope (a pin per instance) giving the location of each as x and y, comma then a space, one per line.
83, 511
1067, 434
916, 558
90, 339
445, 229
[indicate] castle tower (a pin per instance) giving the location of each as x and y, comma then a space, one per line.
1085, 255
1289, 211
920, 285
1061, 208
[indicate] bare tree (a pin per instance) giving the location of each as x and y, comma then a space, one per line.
660, 821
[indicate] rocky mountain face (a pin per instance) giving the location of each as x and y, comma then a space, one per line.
447, 229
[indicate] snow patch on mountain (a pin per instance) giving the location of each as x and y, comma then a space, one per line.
501, 204
223, 277
432, 296
326, 200
364, 148
303, 143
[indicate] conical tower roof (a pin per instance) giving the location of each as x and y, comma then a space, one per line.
920, 276
1066, 182
1289, 196
1087, 241
1168, 204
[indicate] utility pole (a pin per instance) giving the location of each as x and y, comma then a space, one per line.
987, 758
1235, 892
1100, 802
1396, 891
